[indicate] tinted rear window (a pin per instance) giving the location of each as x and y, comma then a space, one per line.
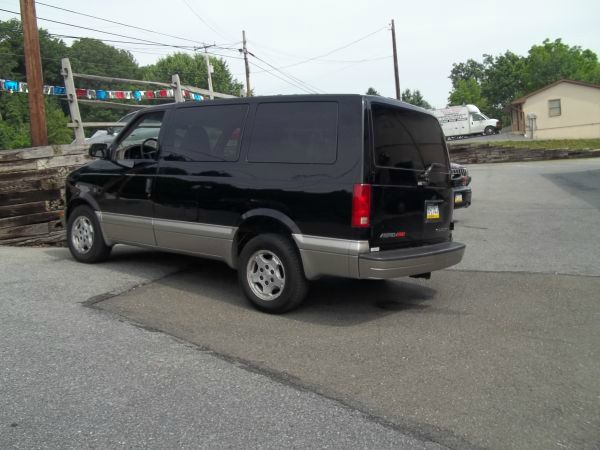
205, 133
295, 132
406, 139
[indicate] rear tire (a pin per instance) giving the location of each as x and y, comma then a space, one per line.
271, 275
84, 236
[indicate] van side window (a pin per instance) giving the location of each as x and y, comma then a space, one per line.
477, 117
295, 132
205, 133
406, 139
141, 141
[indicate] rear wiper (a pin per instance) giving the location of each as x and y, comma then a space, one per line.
424, 176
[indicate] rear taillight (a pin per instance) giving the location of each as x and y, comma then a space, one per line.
361, 206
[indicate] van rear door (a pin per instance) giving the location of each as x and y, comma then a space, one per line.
411, 199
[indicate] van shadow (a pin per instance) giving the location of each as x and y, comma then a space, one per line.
132, 260
330, 301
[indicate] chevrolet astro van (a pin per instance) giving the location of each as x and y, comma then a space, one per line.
284, 189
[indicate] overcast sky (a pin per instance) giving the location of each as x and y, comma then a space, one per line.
431, 35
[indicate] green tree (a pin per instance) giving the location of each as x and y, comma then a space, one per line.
94, 57
465, 71
468, 92
192, 71
12, 59
493, 83
503, 80
14, 122
554, 60
372, 91
415, 98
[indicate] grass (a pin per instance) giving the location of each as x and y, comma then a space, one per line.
550, 144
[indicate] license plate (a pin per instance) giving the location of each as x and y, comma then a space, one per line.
458, 198
433, 212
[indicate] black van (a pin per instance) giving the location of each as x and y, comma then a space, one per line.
285, 189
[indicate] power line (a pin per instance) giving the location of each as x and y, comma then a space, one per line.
282, 79
100, 31
312, 88
202, 20
334, 50
342, 68
118, 23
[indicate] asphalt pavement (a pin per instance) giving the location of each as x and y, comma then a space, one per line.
499, 352
75, 377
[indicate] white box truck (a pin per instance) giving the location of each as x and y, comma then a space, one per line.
466, 120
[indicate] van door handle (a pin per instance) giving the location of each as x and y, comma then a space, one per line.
148, 187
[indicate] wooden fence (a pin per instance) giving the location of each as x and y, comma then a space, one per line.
32, 185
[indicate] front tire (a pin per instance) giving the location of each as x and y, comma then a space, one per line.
489, 131
271, 275
84, 236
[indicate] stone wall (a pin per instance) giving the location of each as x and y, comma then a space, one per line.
470, 153
32, 183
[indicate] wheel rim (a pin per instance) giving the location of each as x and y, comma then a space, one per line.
82, 234
265, 274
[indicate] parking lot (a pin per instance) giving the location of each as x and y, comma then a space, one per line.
499, 352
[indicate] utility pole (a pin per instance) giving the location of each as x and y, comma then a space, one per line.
209, 71
397, 77
245, 51
33, 68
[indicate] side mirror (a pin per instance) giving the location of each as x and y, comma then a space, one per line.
99, 150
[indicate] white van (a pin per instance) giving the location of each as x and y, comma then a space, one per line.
465, 120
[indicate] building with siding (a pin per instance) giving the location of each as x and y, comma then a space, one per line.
565, 109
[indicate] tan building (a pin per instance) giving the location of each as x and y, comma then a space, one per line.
565, 109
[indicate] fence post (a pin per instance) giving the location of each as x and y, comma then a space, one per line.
67, 73
177, 88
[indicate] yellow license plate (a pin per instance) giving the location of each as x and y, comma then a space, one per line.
433, 212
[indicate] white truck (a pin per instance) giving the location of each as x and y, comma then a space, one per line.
466, 120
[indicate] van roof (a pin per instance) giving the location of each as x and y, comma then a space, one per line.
299, 97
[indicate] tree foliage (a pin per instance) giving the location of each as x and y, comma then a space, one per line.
415, 98
468, 92
372, 91
497, 80
94, 57
14, 122
12, 59
192, 71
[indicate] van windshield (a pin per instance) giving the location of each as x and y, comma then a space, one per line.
407, 140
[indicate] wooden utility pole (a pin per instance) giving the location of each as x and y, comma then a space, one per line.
397, 77
209, 71
33, 68
245, 51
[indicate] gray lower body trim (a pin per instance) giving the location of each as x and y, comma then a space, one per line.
353, 259
210, 241
124, 227
199, 239
329, 256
